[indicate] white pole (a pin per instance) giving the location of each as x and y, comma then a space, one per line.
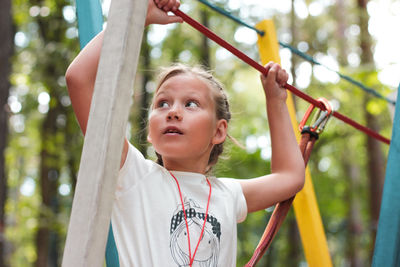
101, 155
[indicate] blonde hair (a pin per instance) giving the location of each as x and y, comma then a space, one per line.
220, 99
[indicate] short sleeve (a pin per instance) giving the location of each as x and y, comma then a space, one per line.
238, 198
135, 168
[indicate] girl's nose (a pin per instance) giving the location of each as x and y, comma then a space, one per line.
174, 114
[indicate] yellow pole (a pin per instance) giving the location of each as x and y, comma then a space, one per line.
305, 204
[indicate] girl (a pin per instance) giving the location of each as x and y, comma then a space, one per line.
172, 213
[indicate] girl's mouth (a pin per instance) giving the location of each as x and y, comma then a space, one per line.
172, 130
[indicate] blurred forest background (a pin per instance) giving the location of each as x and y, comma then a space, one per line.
40, 140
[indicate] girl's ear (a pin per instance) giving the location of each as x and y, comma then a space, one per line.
220, 132
149, 138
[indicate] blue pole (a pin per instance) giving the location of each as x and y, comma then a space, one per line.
90, 20
90, 23
112, 259
387, 245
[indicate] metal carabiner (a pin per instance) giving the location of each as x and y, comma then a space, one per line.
322, 116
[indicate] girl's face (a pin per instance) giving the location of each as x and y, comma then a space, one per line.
183, 127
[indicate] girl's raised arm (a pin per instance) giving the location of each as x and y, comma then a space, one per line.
81, 74
287, 165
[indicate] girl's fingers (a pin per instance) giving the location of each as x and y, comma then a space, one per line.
157, 15
161, 3
276, 77
278, 74
174, 19
269, 65
272, 73
282, 77
168, 5
176, 5
267, 68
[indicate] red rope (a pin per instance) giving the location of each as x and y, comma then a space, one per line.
201, 28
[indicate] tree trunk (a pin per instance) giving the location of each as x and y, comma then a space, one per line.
270, 257
293, 235
49, 174
51, 30
340, 32
354, 216
376, 173
375, 155
205, 47
294, 29
6, 49
73, 147
293, 240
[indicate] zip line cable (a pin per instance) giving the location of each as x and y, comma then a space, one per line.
299, 53
342, 76
232, 17
201, 28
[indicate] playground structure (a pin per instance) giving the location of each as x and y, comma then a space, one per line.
107, 121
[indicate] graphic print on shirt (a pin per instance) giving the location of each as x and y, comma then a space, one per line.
208, 251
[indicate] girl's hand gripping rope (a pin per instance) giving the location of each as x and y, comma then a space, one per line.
157, 12
274, 81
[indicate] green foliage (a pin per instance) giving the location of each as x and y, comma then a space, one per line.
43, 52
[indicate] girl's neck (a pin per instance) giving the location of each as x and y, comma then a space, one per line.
185, 165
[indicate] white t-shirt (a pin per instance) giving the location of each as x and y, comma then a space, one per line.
148, 222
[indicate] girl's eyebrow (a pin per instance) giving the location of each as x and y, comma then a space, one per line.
158, 93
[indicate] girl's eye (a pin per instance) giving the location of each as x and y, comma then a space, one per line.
163, 104
192, 104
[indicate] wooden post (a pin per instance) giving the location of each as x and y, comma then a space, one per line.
90, 23
93, 200
305, 204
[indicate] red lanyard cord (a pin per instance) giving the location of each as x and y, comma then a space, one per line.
191, 258
201, 28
